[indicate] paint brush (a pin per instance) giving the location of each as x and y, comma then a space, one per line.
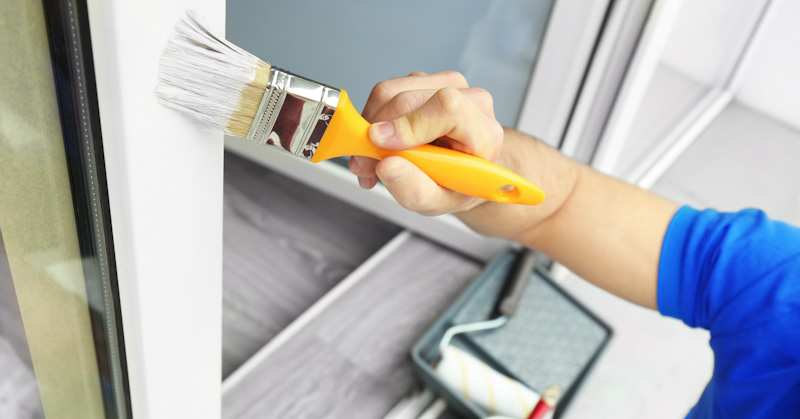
210, 79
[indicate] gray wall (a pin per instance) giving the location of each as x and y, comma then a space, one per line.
353, 45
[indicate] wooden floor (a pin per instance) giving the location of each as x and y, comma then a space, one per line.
351, 360
285, 246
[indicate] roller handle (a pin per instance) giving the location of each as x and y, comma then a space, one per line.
549, 399
514, 287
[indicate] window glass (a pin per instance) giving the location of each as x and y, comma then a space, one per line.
59, 343
352, 45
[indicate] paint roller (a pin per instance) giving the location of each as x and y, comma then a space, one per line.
478, 383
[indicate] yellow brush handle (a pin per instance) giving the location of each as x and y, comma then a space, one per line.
347, 136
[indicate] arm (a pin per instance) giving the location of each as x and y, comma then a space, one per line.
604, 230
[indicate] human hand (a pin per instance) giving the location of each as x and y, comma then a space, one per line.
419, 109
605, 230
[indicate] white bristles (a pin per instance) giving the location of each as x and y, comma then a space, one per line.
204, 76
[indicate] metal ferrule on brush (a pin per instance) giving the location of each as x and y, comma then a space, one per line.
293, 114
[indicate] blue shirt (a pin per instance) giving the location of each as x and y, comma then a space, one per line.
738, 276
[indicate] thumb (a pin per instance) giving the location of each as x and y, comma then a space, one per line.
447, 113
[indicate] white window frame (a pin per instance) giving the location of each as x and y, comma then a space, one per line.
647, 56
165, 192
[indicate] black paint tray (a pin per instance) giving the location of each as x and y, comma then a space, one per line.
552, 339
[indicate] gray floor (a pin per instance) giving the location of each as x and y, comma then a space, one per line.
351, 360
285, 246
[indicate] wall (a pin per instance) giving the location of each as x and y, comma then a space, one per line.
772, 83
707, 37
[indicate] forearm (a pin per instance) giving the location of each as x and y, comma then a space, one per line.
605, 230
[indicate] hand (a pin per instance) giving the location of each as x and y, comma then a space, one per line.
419, 109
604, 230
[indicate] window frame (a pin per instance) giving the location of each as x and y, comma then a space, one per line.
164, 179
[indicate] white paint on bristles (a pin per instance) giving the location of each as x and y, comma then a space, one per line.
202, 74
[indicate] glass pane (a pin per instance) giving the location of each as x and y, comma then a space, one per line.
352, 45
60, 349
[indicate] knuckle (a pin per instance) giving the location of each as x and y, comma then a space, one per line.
361, 166
455, 77
432, 212
417, 200
451, 101
484, 96
382, 92
354, 165
496, 131
403, 103
412, 201
496, 134
480, 91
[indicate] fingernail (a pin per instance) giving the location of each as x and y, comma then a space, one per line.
364, 182
382, 133
392, 174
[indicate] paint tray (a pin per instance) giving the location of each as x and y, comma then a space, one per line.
552, 339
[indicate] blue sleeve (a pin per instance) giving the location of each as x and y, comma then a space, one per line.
738, 276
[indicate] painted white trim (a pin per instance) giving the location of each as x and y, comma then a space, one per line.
565, 53
745, 61
337, 180
689, 128
641, 71
680, 138
609, 64
314, 311
165, 192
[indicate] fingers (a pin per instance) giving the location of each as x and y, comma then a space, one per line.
415, 191
409, 101
364, 168
422, 108
448, 113
384, 91
404, 103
